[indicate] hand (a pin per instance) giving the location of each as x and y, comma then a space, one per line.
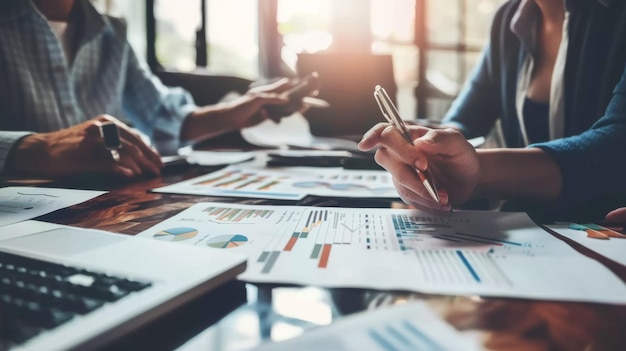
617, 216
250, 109
449, 158
80, 149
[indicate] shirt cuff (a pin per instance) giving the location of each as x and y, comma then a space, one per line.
7, 142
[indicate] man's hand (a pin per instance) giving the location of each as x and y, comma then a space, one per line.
249, 109
80, 149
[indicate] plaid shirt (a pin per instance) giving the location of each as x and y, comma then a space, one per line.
41, 92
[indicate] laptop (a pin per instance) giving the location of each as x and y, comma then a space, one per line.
72, 288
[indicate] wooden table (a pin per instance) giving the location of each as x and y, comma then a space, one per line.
501, 323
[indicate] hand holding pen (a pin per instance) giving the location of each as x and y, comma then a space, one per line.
391, 114
445, 153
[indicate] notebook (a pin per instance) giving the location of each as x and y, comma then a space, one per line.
73, 288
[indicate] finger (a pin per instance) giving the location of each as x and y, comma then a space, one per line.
617, 216
269, 99
420, 202
107, 164
371, 138
397, 146
135, 158
278, 87
147, 156
405, 176
127, 133
443, 141
122, 171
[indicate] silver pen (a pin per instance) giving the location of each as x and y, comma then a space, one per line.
391, 114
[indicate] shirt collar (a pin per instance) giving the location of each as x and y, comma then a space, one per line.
526, 15
89, 20
523, 23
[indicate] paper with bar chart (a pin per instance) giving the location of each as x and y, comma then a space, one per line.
471, 252
409, 326
287, 183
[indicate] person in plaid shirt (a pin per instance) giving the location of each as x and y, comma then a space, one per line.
65, 69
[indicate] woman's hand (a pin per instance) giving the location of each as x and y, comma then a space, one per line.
80, 149
617, 215
450, 159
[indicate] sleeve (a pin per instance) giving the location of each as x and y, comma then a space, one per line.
478, 105
7, 142
156, 110
592, 163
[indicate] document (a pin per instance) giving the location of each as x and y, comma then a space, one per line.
612, 248
21, 203
465, 252
287, 183
215, 158
292, 130
410, 326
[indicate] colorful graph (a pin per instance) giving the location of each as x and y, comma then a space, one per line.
216, 178
595, 231
223, 214
227, 241
176, 234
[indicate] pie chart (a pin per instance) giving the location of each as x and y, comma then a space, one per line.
227, 241
176, 234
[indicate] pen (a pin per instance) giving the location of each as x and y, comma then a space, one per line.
391, 114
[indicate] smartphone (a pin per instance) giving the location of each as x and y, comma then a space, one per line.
296, 95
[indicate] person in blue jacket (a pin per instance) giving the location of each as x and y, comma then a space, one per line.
547, 72
579, 176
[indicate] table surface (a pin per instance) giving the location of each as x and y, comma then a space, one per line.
281, 312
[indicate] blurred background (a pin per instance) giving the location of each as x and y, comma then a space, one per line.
427, 47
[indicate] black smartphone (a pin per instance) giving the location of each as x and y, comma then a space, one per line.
303, 88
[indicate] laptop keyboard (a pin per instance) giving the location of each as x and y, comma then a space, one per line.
37, 295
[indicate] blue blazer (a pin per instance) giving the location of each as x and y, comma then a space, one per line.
594, 64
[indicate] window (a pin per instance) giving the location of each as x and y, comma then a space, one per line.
232, 36
456, 31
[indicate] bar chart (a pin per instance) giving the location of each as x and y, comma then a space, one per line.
488, 253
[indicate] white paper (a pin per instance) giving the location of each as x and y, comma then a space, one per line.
216, 158
287, 183
410, 326
465, 252
21, 203
613, 248
292, 130
11, 231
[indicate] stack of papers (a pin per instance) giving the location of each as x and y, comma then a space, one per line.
287, 183
463, 253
